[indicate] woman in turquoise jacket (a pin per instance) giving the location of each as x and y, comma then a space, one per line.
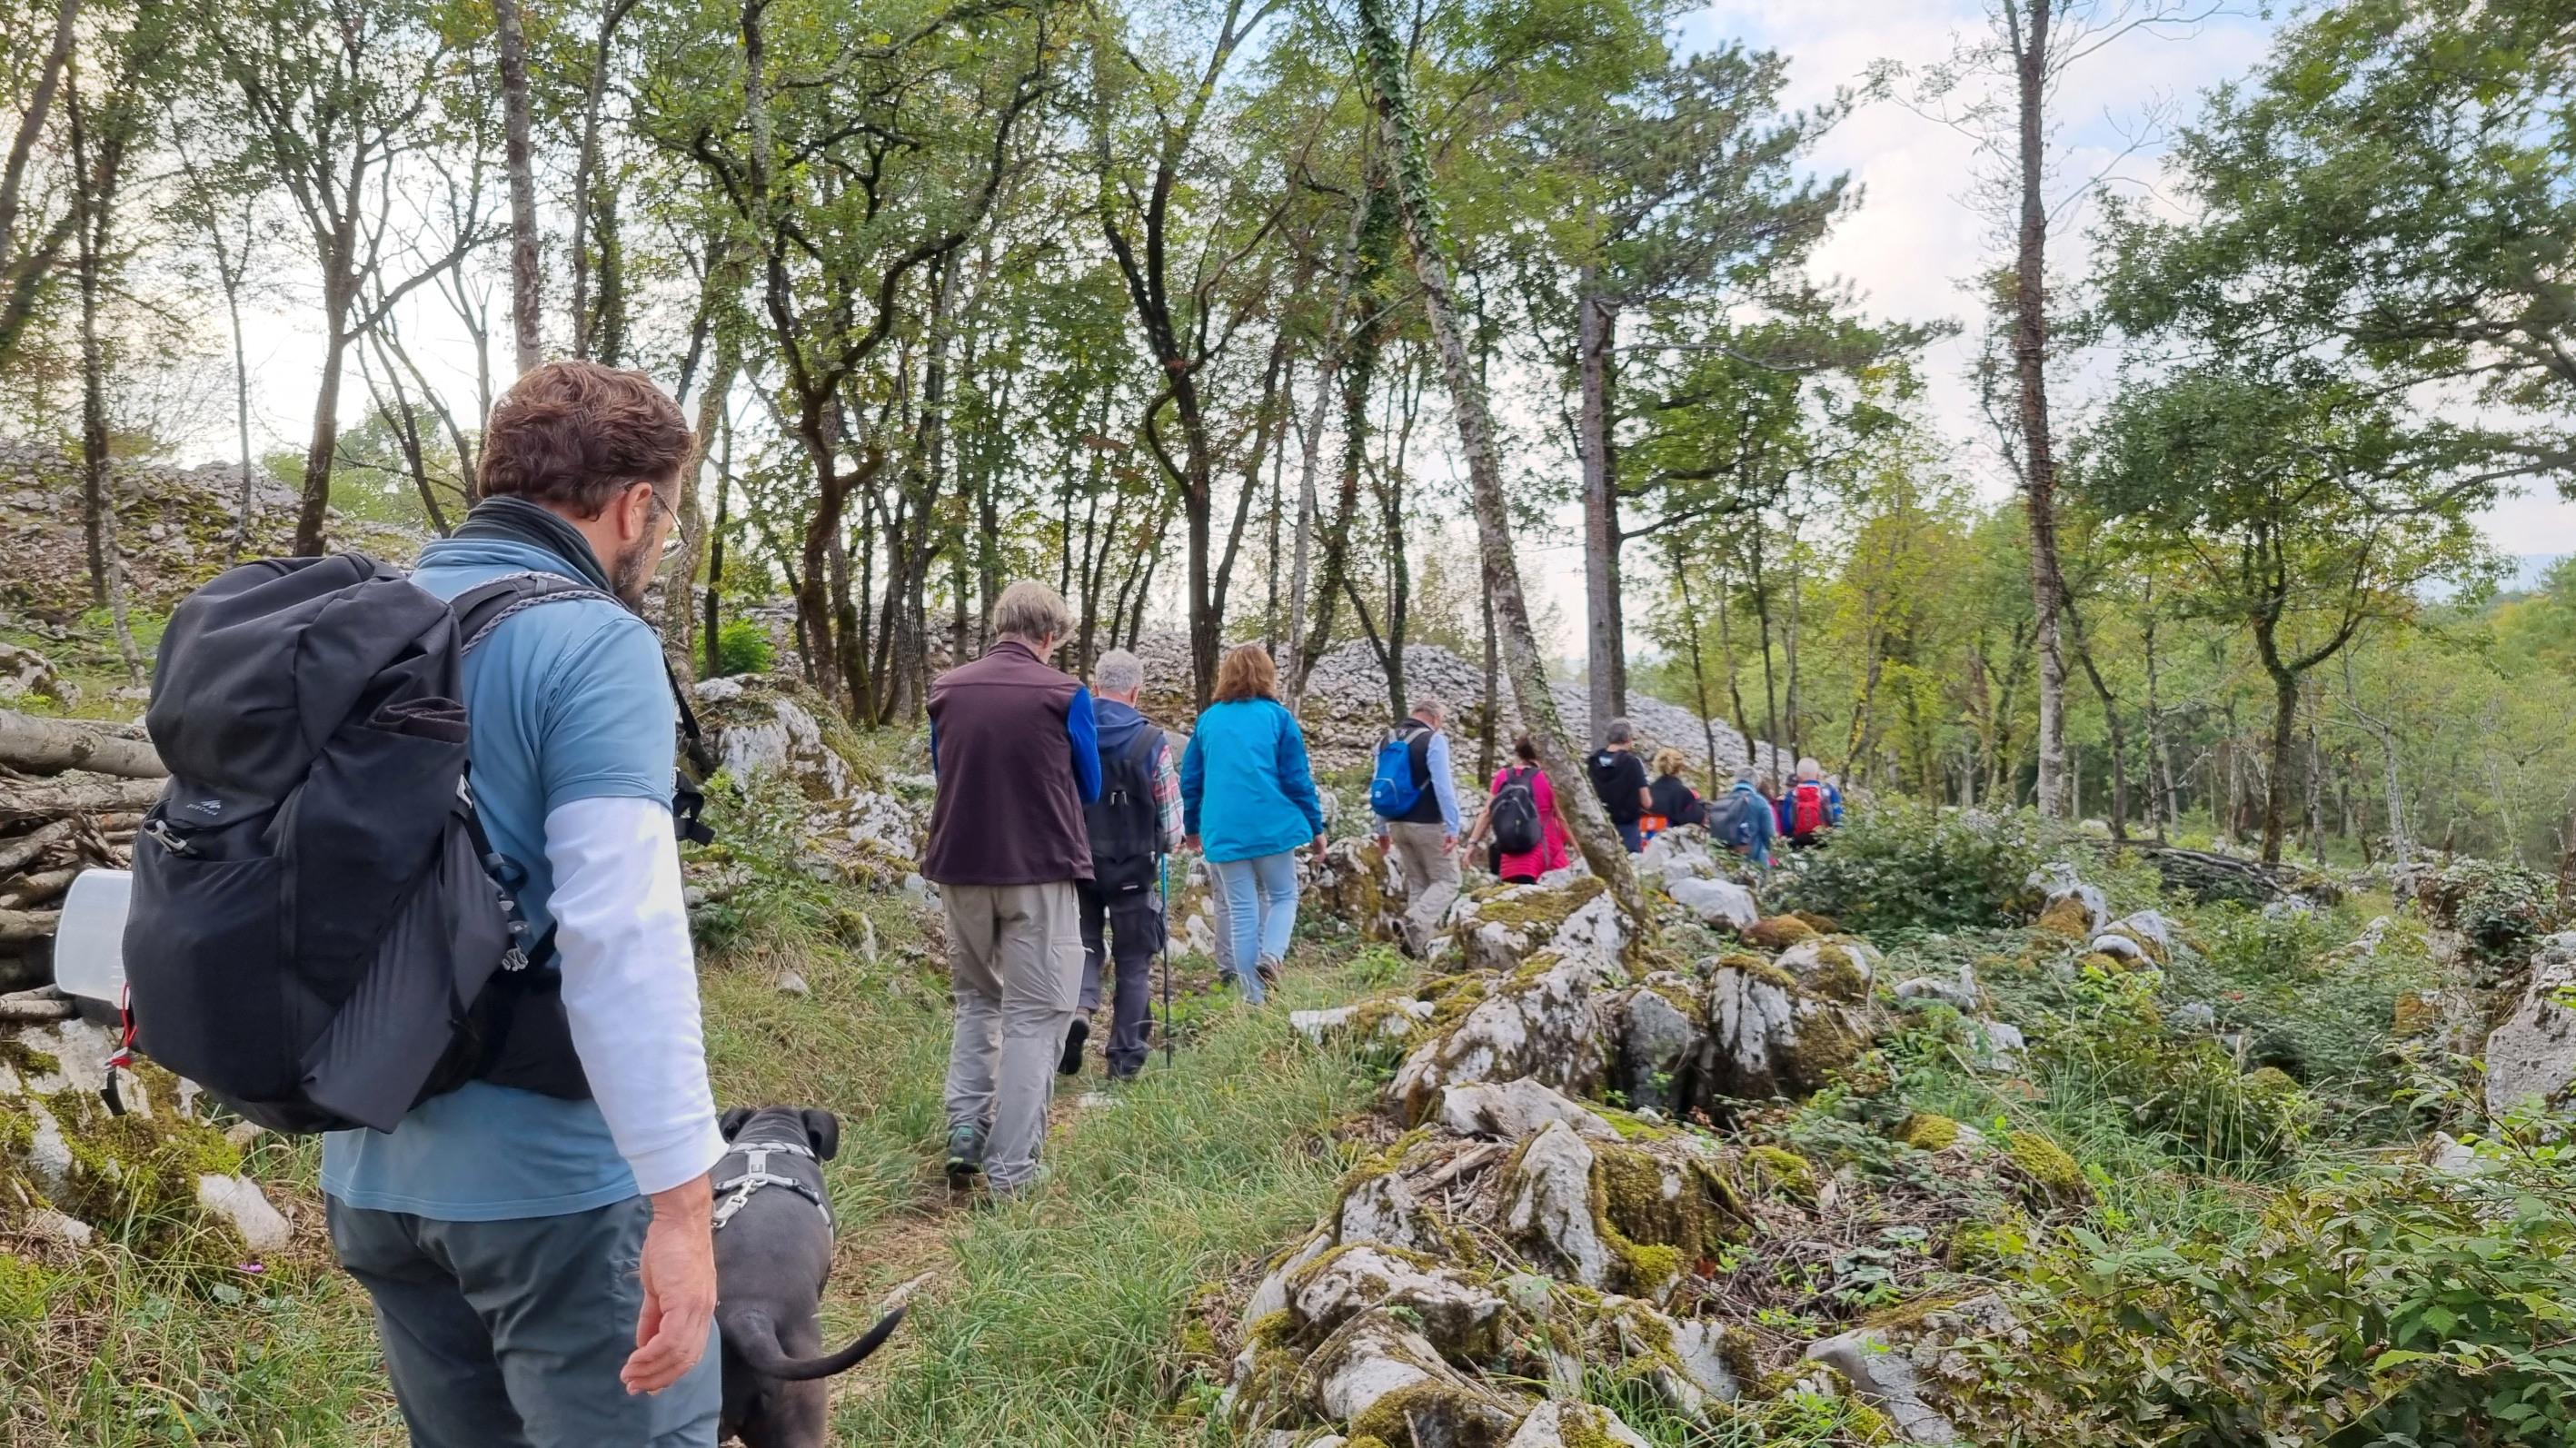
1248, 801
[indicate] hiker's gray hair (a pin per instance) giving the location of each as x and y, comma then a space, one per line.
1031, 611
1428, 706
1744, 774
1119, 672
1619, 732
1810, 769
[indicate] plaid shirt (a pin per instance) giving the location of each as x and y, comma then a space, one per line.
1167, 796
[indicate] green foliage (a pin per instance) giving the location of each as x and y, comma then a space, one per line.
2500, 906
2204, 1110
2384, 1307
1904, 863
743, 647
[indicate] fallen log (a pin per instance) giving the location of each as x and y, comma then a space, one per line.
21, 801
31, 890
50, 746
35, 1010
19, 926
15, 855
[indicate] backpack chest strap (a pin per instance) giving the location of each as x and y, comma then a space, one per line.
756, 1174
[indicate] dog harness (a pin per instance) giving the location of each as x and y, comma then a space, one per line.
756, 1174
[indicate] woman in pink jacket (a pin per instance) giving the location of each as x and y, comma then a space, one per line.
1524, 867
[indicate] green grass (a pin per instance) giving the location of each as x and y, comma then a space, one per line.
1049, 1321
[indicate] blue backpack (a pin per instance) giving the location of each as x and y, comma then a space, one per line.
1392, 792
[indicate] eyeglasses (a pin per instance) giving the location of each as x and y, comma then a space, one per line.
677, 540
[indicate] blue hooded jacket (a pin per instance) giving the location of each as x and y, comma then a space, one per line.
1246, 788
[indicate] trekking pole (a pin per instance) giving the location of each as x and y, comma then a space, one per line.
1163, 887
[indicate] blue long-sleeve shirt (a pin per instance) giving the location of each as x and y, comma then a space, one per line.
1082, 736
1444, 781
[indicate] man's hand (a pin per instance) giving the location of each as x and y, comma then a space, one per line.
1448, 844
679, 1272
1190, 843
1319, 849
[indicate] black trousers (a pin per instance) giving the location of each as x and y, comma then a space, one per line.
1133, 926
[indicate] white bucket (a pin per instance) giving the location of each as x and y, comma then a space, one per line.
89, 944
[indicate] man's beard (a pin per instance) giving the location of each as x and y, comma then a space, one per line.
633, 572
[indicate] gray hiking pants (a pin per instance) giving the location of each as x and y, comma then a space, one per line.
1015, 970
511, 1334
1126, 932
1430, 878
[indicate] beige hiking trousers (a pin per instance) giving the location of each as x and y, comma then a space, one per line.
1015, 970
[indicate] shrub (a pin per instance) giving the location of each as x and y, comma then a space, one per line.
2384, 1307
2500, 906
1902, 863
742, 647
2114, 1047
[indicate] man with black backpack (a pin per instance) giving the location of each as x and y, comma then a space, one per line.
541, 1260
1414, 794
1134, 823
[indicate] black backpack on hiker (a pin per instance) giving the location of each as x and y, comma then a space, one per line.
1515, 807
321, 935
1126, 824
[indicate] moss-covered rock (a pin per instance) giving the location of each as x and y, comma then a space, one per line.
1779, 932
1776, 1168
1929, 1131
2047, 1166
2066, 918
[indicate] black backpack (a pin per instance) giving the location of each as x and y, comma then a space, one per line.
1126, 824
1516, 827
321, 936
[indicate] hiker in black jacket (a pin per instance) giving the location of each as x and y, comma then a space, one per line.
1135, 822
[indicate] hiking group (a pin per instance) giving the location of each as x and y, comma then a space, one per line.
415, 885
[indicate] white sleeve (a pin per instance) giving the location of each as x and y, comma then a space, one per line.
630, 987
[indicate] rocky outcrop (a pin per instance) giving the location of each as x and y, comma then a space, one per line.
1902, 1367
1497, 928
1767, 1036
2531, 1058
772, 730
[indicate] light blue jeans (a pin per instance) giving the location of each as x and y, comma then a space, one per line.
1261, 905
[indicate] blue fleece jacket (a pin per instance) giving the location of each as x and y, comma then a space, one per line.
1246, 789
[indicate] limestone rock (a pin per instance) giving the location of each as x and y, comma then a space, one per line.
1953, 993
48, 1225
24, 673
1574, 1425
2056, 883
1656, 1029
772, 723
1547, 1205
1458, 1318
236, 1200
1838, 967
2119, 947
1718, 902
2532, 1056
1376, 1374
1361, 883
1383, 1208
1376, 1020
2150, 929
1768, 1038
1514, 1109
1899, 1372
1498, 929
2195, 1016
1272, 1293
1678, 854
1539, 1024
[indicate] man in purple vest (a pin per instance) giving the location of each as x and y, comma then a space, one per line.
1015, 748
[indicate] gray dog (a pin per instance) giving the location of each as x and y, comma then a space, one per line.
773, 1252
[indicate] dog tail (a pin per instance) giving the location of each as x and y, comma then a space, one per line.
754, 1338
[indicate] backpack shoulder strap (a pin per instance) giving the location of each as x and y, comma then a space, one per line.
481, 609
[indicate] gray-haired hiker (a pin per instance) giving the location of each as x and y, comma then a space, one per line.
542, 1261
1423, 831
1134, 823
1015, 748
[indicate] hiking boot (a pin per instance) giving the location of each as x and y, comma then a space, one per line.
965, 1157
1074, 1036
1268, 970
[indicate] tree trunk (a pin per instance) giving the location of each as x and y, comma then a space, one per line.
515, 159
1600, 508
679, 586
241, 421
33, 745
716, 556
1488, 734
2276, 785
93, 206
1293, 683
22, 801
1383, 59
1699, 670
586, 173
2030, 361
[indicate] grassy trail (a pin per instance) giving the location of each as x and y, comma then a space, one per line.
1050, 1321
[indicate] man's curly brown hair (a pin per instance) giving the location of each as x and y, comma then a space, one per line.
574, 435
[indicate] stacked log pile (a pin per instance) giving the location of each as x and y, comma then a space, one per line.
72, 794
